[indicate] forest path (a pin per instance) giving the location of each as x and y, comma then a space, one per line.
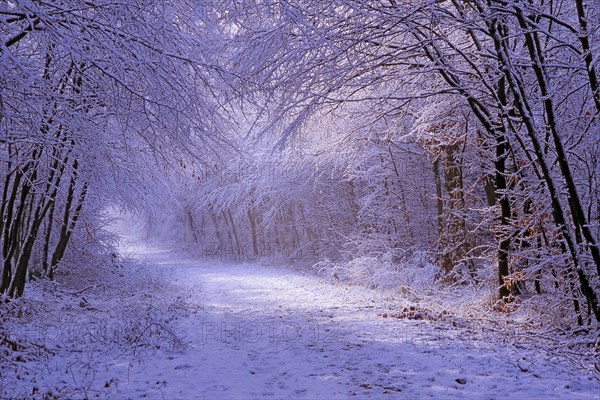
267, 332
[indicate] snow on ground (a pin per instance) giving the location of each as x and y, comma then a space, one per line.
198, 329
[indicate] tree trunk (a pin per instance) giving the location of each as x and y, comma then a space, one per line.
588, 57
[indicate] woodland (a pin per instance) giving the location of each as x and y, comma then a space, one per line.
375, 143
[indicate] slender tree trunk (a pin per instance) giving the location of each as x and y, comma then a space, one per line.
505, 215
588, 57
192, 225
401, 196
63, 241
228, 217
252, 220
7, 244
11, 230
438, 195
6, 187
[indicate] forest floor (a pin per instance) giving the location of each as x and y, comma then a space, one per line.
171, 326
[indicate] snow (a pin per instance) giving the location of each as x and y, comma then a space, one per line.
214, 330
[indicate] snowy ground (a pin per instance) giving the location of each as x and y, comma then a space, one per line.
242, 331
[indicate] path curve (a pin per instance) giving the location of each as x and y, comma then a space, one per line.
266, 332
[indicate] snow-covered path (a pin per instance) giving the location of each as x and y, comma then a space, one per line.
266, 332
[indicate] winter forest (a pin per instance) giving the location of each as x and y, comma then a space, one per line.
183, 181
